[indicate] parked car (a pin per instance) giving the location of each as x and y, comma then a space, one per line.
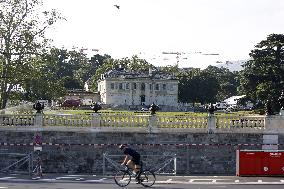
144, 109
71, 103
221, 106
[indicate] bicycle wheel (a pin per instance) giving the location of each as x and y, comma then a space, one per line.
147, 178
122, 178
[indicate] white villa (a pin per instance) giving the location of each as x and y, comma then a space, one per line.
121, 87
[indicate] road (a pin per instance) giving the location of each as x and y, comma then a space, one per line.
68, 181
38, 185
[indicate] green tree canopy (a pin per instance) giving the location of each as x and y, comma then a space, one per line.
263, 75
22, 36
207, 86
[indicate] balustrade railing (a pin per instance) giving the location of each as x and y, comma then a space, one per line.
67, 120
196, 122
240, 122
113, 120
212, 123
16, 120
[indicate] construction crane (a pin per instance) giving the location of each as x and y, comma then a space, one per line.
182, 55
83, 49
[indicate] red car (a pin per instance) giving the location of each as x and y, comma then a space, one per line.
71, 103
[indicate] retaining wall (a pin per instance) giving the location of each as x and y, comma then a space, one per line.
82, 152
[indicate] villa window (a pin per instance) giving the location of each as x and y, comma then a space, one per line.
127, 85
120, 85
157, 87
164, 87
112, 85
142, 86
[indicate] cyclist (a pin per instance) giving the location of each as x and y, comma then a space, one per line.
132, 158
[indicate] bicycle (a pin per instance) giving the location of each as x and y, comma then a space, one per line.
146, 178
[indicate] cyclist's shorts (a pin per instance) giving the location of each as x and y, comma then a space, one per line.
136, 160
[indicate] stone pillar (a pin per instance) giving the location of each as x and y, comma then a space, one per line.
152, 127
211, 123
268, 140
274, 124
96, 120
38, 120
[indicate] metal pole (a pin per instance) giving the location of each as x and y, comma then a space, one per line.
104, 164
175, 165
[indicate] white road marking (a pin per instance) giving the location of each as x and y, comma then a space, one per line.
236, 181
212, 180
3, 178
67, 177
94, 180
281, 180
78, 179
259, 181
102, 179
35, 178
169, 180
75, 175
3, 187
48, 179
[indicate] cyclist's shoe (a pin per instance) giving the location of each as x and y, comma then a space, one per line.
137, 180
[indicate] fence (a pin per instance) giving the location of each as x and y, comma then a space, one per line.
151, 123
16, 163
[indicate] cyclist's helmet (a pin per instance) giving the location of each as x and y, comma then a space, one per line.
122, 146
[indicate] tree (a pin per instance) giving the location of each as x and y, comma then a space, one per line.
227, 81
66, 65
87, 70
197, 86
263, 76
46, 84
22, 36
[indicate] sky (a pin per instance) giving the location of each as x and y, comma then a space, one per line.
147, 28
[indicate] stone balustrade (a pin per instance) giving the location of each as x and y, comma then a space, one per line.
14, 120
151, 123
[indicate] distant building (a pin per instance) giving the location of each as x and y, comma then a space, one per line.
121, 87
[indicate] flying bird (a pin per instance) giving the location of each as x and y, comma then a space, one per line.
117, 6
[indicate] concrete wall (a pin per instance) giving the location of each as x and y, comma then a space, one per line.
78, 152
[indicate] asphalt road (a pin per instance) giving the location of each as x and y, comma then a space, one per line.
38, 185
53, 181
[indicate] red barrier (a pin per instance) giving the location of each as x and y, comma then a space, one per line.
260, 163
